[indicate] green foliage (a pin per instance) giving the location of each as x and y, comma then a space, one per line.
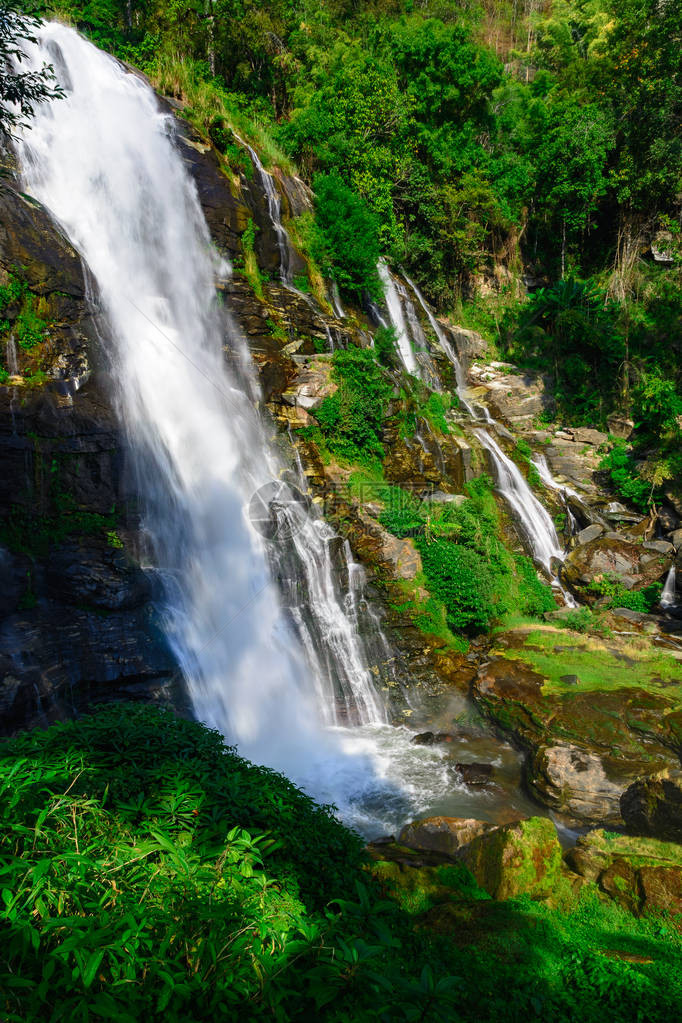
625, 477
21, 88
351, 418
132, 887
18, 306
345, 243
570, 329
385, 341
466, 564
614, 594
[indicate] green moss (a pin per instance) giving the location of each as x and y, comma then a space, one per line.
599, 667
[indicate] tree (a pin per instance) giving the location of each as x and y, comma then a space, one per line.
20, 91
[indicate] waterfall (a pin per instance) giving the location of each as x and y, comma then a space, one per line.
12, 356
533, 517
395, 312
274, 201
669, 595
447, 349
102, 160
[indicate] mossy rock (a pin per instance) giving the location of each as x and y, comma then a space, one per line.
653, 806
643, 875
517, 859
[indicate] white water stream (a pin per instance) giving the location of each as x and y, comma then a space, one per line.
669, 595
395, 312
279, 668
103, 161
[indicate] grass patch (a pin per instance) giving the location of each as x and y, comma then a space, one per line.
209, 105
599, 667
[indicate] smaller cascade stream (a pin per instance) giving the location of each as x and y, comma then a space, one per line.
395, 312
532, 516
274, 201
669, 595
534, 520
11, 356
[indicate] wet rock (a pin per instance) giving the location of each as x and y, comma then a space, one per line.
29, 239
475, 774
569, 680
633, 566
574, 782
65, 658
516, 859
442, 834
589, 533
89, 571
431, 738
642, 875
653, 806
15, 580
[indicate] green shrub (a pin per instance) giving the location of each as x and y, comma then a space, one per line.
462, 580
345, 242
645, 600
131, 888
18, 303
384, 345
624, 476
466, 563
351, 418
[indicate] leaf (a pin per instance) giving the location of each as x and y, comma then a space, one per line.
92, 967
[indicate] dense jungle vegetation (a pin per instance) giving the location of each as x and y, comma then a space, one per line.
148, 872
478, 144
474, 143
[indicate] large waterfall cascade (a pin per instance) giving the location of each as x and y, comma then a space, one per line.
279, 668
103, 161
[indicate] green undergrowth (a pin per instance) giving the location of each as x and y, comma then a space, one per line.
466, 564
216, 112
523, 959
613, 594
22, 317
422, 404
350, 420
147, 871
599, 666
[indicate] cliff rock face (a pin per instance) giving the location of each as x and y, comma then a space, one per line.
76, 622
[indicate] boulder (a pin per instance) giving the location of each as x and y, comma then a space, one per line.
676, 539
653, 806
589, 533
630, 564
659, 547
584, 435
431, 738
620, 426
475, 774
516, 859
444, 835
641, 874
574, 782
